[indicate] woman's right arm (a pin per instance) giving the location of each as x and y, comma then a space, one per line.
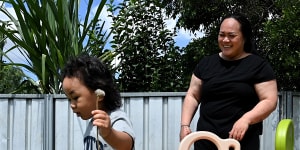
190, 105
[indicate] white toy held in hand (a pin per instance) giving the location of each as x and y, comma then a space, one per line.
100, 92
100, 95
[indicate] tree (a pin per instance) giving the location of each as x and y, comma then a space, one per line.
47, 33
13, 80
193, 14
194, 52
149, 59
281, 44
9, 77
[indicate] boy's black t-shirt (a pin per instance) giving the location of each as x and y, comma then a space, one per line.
228, 91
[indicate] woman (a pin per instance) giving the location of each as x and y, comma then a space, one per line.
236, 88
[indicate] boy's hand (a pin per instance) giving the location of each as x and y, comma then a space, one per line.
102, 120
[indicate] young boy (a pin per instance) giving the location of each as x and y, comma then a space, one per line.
82, 76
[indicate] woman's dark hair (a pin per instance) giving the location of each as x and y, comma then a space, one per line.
246, 30
94, 75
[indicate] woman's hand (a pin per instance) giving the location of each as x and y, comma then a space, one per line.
102, 121
239, 129
184, 131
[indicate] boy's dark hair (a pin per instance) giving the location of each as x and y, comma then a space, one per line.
94, 75
246, 30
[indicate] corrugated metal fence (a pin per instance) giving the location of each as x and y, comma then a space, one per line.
46, 122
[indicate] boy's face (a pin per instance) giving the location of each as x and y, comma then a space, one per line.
82, 99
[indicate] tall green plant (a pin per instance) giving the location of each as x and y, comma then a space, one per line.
47, 33
3, 39
12, 79
2, 43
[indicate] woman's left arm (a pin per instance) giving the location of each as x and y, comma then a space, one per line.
268, 96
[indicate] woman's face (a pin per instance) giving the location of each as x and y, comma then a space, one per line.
231, 40
82, 99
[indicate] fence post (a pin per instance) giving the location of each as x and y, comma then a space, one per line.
289, 105
48, 122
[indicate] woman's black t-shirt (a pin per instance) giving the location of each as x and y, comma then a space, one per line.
228, 91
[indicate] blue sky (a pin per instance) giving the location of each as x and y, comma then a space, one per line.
182, 39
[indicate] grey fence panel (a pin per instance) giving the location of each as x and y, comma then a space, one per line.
296, 118
136, 113
267, 139
46, 122
155, 118
69, 129
289, 105
4, 125
21, 122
